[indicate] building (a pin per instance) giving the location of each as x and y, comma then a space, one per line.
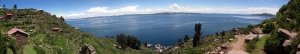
20, 36
1, 18
55, 29
9, 16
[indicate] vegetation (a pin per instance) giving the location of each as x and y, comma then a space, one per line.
42, 40
272, 45
15, 6
128, 41
179, 40
197, 35
186, 38
251, 45
268, 28
3, 45
295, 43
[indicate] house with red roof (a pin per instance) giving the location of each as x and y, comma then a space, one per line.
1, 18
20, 36
9, 15
55, 29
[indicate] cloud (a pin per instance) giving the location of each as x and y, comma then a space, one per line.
104, 11
274, 5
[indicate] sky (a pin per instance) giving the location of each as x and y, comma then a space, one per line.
74, 9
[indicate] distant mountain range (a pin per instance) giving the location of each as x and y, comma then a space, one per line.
162, 13
264, 14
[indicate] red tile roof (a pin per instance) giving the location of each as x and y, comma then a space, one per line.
12, 31
55, 29
1, 17
9, 14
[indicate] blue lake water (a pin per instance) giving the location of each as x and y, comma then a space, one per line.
164, 29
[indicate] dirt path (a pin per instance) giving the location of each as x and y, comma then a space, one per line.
238, 47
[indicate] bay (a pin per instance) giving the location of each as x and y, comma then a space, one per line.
164, 29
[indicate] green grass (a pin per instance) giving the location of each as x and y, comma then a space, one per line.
9, 51
28, 49
262, 41
63, 43
260, 44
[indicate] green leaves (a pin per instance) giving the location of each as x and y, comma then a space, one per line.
197, 35
128, 41
186, 37
268, 28
272, 44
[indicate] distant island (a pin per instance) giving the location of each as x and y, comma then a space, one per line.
176, 13
263, 14
161, 13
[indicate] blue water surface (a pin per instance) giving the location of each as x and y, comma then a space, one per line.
164, 29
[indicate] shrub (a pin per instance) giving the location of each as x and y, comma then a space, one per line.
39, 50
268, 28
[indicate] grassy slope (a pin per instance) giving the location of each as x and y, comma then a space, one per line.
67, 40
260, 45
187, 48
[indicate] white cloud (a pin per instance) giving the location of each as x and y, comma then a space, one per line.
274, 5
103, 11
61, 14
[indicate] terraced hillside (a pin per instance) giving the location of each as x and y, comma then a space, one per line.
41, 39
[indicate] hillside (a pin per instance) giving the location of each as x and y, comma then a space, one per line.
278, 30
42, 40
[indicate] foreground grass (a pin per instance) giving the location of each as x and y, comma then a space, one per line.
28, 49
259, 46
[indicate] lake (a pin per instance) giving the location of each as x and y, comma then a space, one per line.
164, 29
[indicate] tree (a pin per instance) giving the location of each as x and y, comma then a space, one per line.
268, 28
15, 6
197, 35
198, 27
186, 37
179, 40
217, 34
250, 26
62, 18
128, 41
223, 33
145, 44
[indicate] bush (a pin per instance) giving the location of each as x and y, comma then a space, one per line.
268, 28
39, 50
272, 44
295, 43
251, 45
128, 41
3, 45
